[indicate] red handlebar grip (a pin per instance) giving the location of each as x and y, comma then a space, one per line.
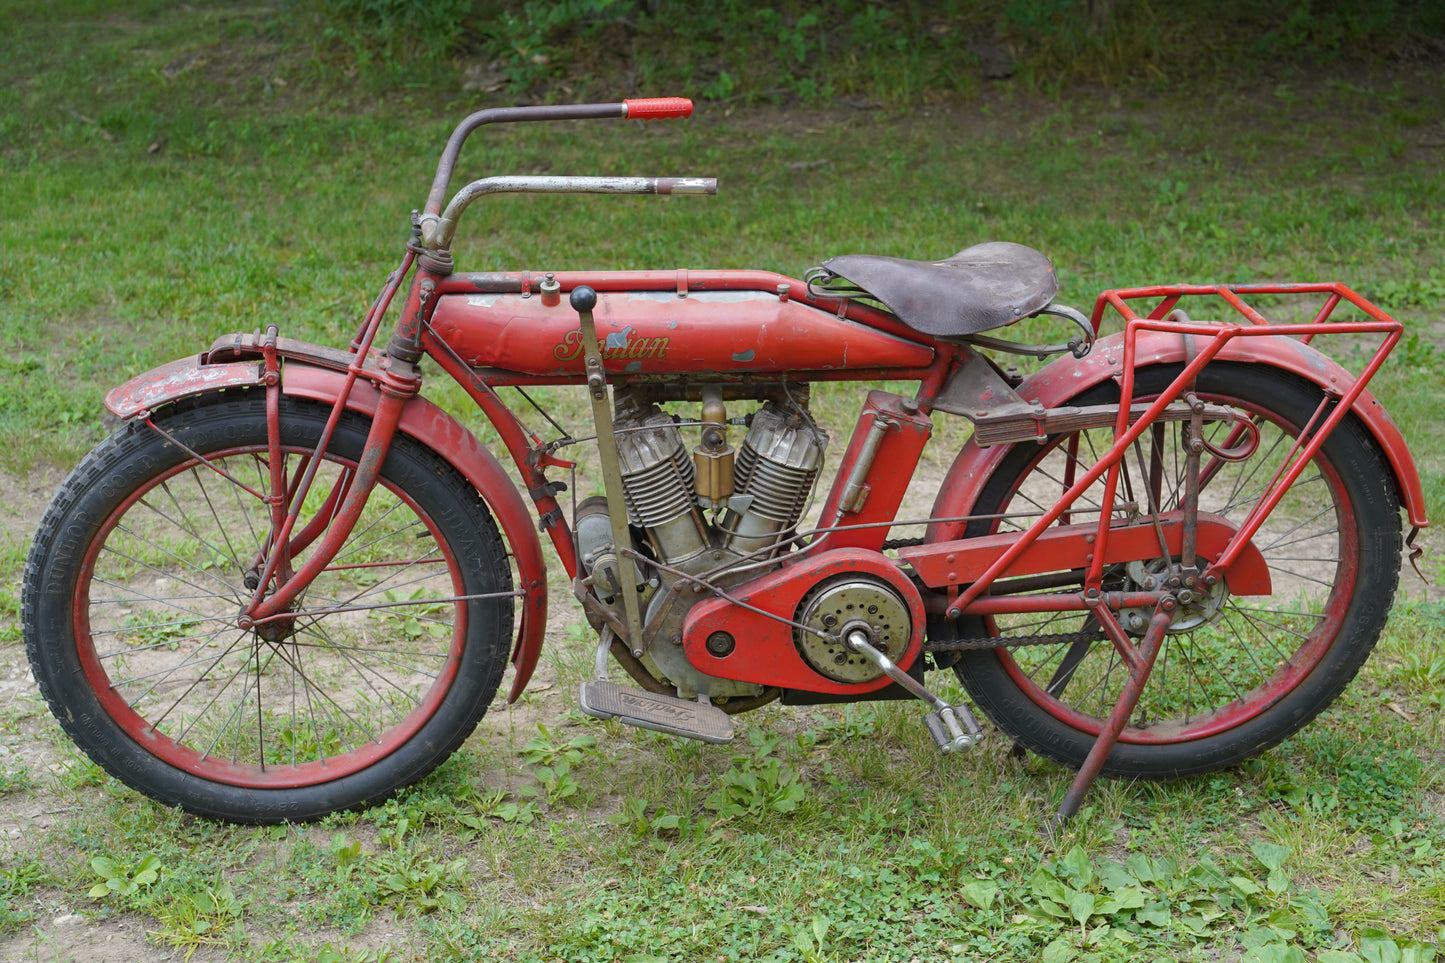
658, 108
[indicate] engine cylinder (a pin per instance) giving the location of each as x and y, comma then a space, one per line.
776, 467
658, 483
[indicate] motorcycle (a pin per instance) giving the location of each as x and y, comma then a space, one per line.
290, 584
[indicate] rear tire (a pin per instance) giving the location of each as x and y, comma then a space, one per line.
1261, 667
136, 579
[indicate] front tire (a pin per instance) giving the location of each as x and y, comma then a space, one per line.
138, 574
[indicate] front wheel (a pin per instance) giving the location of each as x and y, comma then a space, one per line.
1237, 674
142, 566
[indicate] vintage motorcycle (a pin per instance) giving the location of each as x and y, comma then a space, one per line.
290, 584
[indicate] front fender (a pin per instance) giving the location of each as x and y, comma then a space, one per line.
178, 379
421, 419
1065, 378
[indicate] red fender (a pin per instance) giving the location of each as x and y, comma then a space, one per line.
422, 420
1067, 377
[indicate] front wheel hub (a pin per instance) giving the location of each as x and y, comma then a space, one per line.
276, 630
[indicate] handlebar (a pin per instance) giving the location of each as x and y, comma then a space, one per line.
651, 108
446, 226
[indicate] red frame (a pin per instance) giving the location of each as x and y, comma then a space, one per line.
1148, 339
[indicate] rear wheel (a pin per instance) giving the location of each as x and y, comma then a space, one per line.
139, 573
1236, 674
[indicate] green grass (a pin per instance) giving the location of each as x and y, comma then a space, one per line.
173, 175
1327, 845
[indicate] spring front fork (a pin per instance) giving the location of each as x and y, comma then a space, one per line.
378, 443
399, 384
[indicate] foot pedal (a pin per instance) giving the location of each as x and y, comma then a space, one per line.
947, 726
661, 713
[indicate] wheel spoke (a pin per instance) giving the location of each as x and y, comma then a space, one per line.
168, 601
365, 672
164, 675
162, 572
340, 710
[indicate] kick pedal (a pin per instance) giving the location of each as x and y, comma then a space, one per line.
947, 724
661, 713
953, 727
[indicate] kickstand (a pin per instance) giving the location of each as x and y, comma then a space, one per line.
1140, 662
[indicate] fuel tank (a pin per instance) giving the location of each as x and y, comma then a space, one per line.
662, 333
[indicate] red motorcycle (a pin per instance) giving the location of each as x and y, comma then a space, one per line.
290, 584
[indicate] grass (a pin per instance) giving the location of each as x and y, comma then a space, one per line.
1322, 846
175, 175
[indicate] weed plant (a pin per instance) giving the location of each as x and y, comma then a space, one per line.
175, 174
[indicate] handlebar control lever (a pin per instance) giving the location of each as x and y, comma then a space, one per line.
648, 108
583, 299
438, 230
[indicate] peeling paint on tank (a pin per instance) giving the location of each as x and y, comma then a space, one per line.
743, 357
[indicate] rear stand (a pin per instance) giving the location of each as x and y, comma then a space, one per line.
1140, 661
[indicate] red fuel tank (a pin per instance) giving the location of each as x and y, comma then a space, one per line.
660, 333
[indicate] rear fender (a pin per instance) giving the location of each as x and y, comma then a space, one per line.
1056, 383
421, 419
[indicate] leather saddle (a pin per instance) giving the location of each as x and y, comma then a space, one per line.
982, 287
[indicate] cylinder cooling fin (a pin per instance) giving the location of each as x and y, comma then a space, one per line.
776, 467
658, 480
657, 473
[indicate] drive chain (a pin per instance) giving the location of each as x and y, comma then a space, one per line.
1014, 642
893, 543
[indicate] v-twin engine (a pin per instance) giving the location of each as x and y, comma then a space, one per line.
711, 512
755, 499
